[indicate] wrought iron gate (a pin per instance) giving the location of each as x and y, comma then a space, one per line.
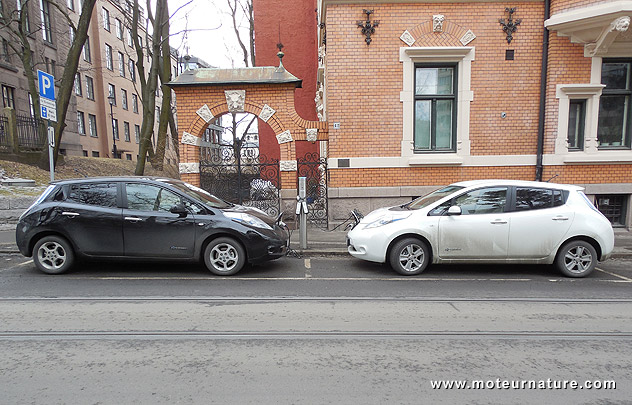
241, 175
314, 168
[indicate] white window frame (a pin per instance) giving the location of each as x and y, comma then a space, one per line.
463, 57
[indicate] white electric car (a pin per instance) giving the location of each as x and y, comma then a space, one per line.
488, 221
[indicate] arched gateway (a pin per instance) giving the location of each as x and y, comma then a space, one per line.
267, 92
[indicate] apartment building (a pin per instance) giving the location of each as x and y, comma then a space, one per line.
109, 108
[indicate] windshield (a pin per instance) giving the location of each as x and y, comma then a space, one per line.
200, 195
428, 199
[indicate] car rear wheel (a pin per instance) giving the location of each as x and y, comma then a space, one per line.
576, 258
53, 255
409, 256
224, 256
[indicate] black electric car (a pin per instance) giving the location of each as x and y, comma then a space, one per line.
145, 218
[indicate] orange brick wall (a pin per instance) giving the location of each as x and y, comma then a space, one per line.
364, 82
559, 6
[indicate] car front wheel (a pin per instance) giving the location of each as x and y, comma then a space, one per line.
224, 256
576, 258
53, 255
409, 256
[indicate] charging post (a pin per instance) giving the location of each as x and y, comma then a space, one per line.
301, 210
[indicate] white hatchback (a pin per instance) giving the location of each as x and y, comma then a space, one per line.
488, 221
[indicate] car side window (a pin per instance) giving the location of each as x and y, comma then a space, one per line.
147, 197
98, 194
196, 209
529, 198
482, 201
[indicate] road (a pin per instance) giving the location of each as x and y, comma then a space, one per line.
315, 330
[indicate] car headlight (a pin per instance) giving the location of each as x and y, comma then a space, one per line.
386, 219
247, 219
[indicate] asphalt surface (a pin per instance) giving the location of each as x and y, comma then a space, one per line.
315, 329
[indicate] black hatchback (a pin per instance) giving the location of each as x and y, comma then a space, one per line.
145, 218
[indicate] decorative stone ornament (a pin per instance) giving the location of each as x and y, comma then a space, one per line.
205, 113
312, 134
236, 100
467, 37
407, 38
621, 24
190, 139
186, 168
437, 22
288, 165
284, 137
266, 113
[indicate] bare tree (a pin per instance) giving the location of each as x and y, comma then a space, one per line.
241, 12
17, 24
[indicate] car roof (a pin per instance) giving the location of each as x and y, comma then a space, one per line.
116, 178
519, 183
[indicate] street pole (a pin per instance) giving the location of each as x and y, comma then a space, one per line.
51, 146
302, 211
114, 151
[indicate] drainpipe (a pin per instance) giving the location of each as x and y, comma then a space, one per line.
545, 62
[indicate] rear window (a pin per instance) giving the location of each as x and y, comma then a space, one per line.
98, 194
531, 198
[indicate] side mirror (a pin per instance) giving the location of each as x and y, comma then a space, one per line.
180, 210
454, 210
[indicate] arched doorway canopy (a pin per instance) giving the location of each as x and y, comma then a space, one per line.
267, 92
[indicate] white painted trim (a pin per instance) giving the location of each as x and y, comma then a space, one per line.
580, 15
463, 56
565, 93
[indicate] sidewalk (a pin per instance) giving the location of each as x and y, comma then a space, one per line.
321, 242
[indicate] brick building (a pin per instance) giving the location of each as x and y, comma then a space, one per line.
419, 94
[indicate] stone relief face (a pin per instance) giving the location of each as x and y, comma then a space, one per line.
622, 24
437, 22
235, 100
312, 134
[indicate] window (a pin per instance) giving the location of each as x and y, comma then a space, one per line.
146, 197
130, 41
613, 207
78, 88
482, 201
47, 27
86, 50
124, 99
108, 57
135, 103
435, 108
71, 4
128, 156
121, 64
576, 123
106, 18
137, 133
92, 126
72, 33
95, 154
126, 131
119, 28
81, 123
111, 94
31, 106
615, 105
5, 56
533, 198
85, 153
8, 96
132, 70
115, 128
27, 23
89, 88
100, 194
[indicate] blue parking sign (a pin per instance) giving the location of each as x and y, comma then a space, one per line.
46, 85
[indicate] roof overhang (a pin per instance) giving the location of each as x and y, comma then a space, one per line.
604, 29
223, 77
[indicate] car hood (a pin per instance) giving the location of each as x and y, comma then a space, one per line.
255, 212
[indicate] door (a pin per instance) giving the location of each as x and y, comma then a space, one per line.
150, 229
482, 229
91, 217
539, 222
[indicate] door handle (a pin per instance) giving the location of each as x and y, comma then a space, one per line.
499, 222
560, 218
133, 219
70, 214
